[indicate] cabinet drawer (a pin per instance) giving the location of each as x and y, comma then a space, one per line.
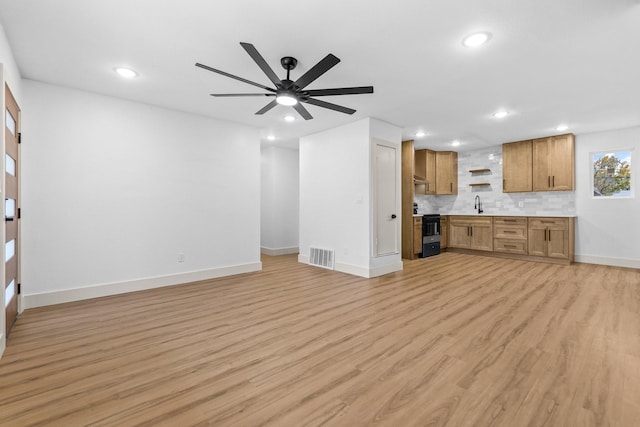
470, 220
510, 231
510, 246
507, 220
417, 220
549, 222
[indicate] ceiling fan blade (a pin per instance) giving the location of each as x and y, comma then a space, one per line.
317, 70
340, 91
303, 111
206, 67
255, 55
329, 105
242, 94
267, 107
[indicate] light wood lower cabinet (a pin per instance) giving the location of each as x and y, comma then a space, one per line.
444, 231
471, 232
548, 239
510, 235
417, 234
551, 237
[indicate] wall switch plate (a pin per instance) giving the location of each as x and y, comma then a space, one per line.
180, 257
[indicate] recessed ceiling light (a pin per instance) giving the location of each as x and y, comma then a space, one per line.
127, 73
271, 138
501, 114
420, 134
289, 118
562, 128
476, 39
455, 143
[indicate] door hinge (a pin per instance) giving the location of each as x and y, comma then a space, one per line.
19, 288
19, 213
19, 137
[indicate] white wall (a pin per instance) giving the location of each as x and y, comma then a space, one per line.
280, 200
114, 190
336, 195
607, 231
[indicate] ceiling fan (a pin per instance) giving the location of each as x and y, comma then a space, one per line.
288, 92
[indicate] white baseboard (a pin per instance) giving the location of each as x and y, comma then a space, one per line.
614, 262
359, 271
279, 251
97, 291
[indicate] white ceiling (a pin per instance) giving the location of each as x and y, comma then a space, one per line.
548, 62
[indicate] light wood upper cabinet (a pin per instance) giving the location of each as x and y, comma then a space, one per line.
446, 172
553, 163
425, 172
517, 163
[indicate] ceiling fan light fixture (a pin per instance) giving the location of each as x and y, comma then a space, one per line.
286, 99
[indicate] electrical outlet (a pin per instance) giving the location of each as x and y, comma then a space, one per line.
521, 204
180, 257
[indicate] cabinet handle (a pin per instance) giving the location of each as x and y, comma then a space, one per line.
510, 220
451, 187
547, 222
553, 181
549, 234
510, 246
471, 228
504, 183
509, 231
548, 181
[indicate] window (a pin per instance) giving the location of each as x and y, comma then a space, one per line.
612, 174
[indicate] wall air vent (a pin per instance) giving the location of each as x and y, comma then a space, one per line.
322, 258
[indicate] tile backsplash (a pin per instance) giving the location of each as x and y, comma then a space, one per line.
494, 201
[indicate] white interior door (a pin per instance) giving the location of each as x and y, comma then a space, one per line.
387, 216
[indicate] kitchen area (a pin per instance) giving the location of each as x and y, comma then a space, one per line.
514, 200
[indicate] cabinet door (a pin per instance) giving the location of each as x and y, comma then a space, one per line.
444, 233
537, 241
446, 172
458, 235
430, 171
417, 237
541, 175
558, 243
560, 162
420, 166
517, 175
482, 237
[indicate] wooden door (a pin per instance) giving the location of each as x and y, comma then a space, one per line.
12, 203
517, 167
561, 162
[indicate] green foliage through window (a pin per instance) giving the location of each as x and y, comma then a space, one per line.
612, 174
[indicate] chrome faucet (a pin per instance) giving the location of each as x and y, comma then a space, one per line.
478, 204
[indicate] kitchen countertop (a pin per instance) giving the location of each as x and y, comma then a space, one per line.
509, 214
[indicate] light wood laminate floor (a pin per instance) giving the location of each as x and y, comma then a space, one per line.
454, 340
